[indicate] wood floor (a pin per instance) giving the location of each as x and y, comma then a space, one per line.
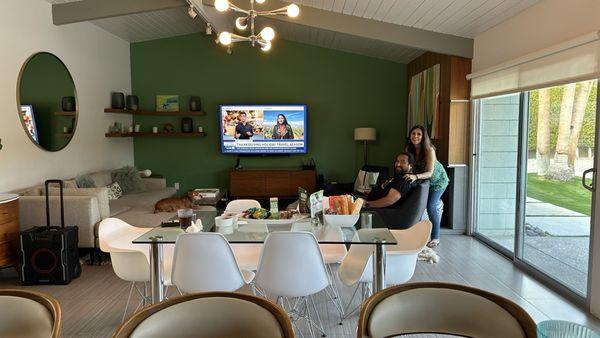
92, 304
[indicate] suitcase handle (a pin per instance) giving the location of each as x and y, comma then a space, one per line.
62, 206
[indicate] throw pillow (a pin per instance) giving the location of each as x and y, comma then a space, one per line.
85, 181
114, 191
365, 180
129, 179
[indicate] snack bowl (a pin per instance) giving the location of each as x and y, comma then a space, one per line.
341, 220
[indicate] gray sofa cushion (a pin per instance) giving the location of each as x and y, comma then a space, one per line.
101, 178
129, 179
85, 181
116, 209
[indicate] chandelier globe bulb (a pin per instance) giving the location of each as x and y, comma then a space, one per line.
293, 10
267, 33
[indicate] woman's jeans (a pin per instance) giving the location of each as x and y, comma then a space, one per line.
435, 208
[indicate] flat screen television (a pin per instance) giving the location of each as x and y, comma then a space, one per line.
29, 121
263, 129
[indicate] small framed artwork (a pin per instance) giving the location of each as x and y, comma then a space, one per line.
167, 103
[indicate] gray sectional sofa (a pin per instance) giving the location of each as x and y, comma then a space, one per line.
86, 207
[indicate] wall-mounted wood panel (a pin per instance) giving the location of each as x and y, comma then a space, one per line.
452, 144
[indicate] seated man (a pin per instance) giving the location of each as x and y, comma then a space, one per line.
389, 193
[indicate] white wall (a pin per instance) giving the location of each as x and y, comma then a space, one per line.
99, 64
540, 26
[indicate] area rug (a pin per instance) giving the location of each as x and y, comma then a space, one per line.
429, 255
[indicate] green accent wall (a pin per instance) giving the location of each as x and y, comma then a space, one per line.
342, 91
44, 82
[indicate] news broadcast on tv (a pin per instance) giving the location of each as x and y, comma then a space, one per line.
263, 129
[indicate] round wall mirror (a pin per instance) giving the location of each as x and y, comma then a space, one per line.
47, 101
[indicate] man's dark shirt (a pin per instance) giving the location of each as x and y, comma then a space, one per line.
397, 182
243, 130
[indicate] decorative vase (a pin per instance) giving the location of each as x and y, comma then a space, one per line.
132, 102
117, 100
68, 103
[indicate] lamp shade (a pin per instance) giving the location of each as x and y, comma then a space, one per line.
364, 134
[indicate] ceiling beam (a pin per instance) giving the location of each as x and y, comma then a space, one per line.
208, 13
87, 10
367, 28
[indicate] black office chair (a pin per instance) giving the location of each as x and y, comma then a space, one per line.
409, 211
333, 189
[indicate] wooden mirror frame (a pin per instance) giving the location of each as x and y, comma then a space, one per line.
18, 96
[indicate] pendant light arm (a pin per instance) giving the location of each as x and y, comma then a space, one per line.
237, 9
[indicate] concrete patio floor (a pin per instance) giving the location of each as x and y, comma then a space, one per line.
556, 241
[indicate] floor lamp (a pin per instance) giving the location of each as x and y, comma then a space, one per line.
365, 135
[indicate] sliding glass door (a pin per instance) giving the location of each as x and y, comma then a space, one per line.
495, 161
561, 130
532, 178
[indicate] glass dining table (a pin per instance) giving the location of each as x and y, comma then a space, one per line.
256, 231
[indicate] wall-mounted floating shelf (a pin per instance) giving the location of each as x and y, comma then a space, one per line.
150, 134
155, 113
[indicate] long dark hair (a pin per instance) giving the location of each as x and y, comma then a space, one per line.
426, 144
285, 122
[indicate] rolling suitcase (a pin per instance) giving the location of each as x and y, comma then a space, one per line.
50, 254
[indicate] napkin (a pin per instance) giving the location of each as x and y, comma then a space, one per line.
192, 229
195, 227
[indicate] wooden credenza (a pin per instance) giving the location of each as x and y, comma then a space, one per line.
271, 183
9, 229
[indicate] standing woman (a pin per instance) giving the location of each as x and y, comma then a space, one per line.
428, 167
282, 129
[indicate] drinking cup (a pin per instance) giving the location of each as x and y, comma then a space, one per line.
185, 217
366, 220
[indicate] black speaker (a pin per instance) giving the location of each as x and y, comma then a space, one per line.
117, 100
132, 102
187, 125
195, 103
50, 254
68, 103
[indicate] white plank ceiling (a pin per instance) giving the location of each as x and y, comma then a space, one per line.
465, 18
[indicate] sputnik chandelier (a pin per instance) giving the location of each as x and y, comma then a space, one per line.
266, 35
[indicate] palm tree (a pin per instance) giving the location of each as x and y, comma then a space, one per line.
559, 166
543, 131
581, 101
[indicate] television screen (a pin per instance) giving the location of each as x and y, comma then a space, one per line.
263, 129
29, 121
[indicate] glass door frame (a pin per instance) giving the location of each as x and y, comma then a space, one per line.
474, 180
521, 198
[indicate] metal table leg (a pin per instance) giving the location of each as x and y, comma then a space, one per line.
379, 267
156, 270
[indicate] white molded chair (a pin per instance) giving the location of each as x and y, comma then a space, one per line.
443, 308
400, 262
247, 255
334, 254
31, 314
291, 266
241, 205
209, 315
203, 262
131, 262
